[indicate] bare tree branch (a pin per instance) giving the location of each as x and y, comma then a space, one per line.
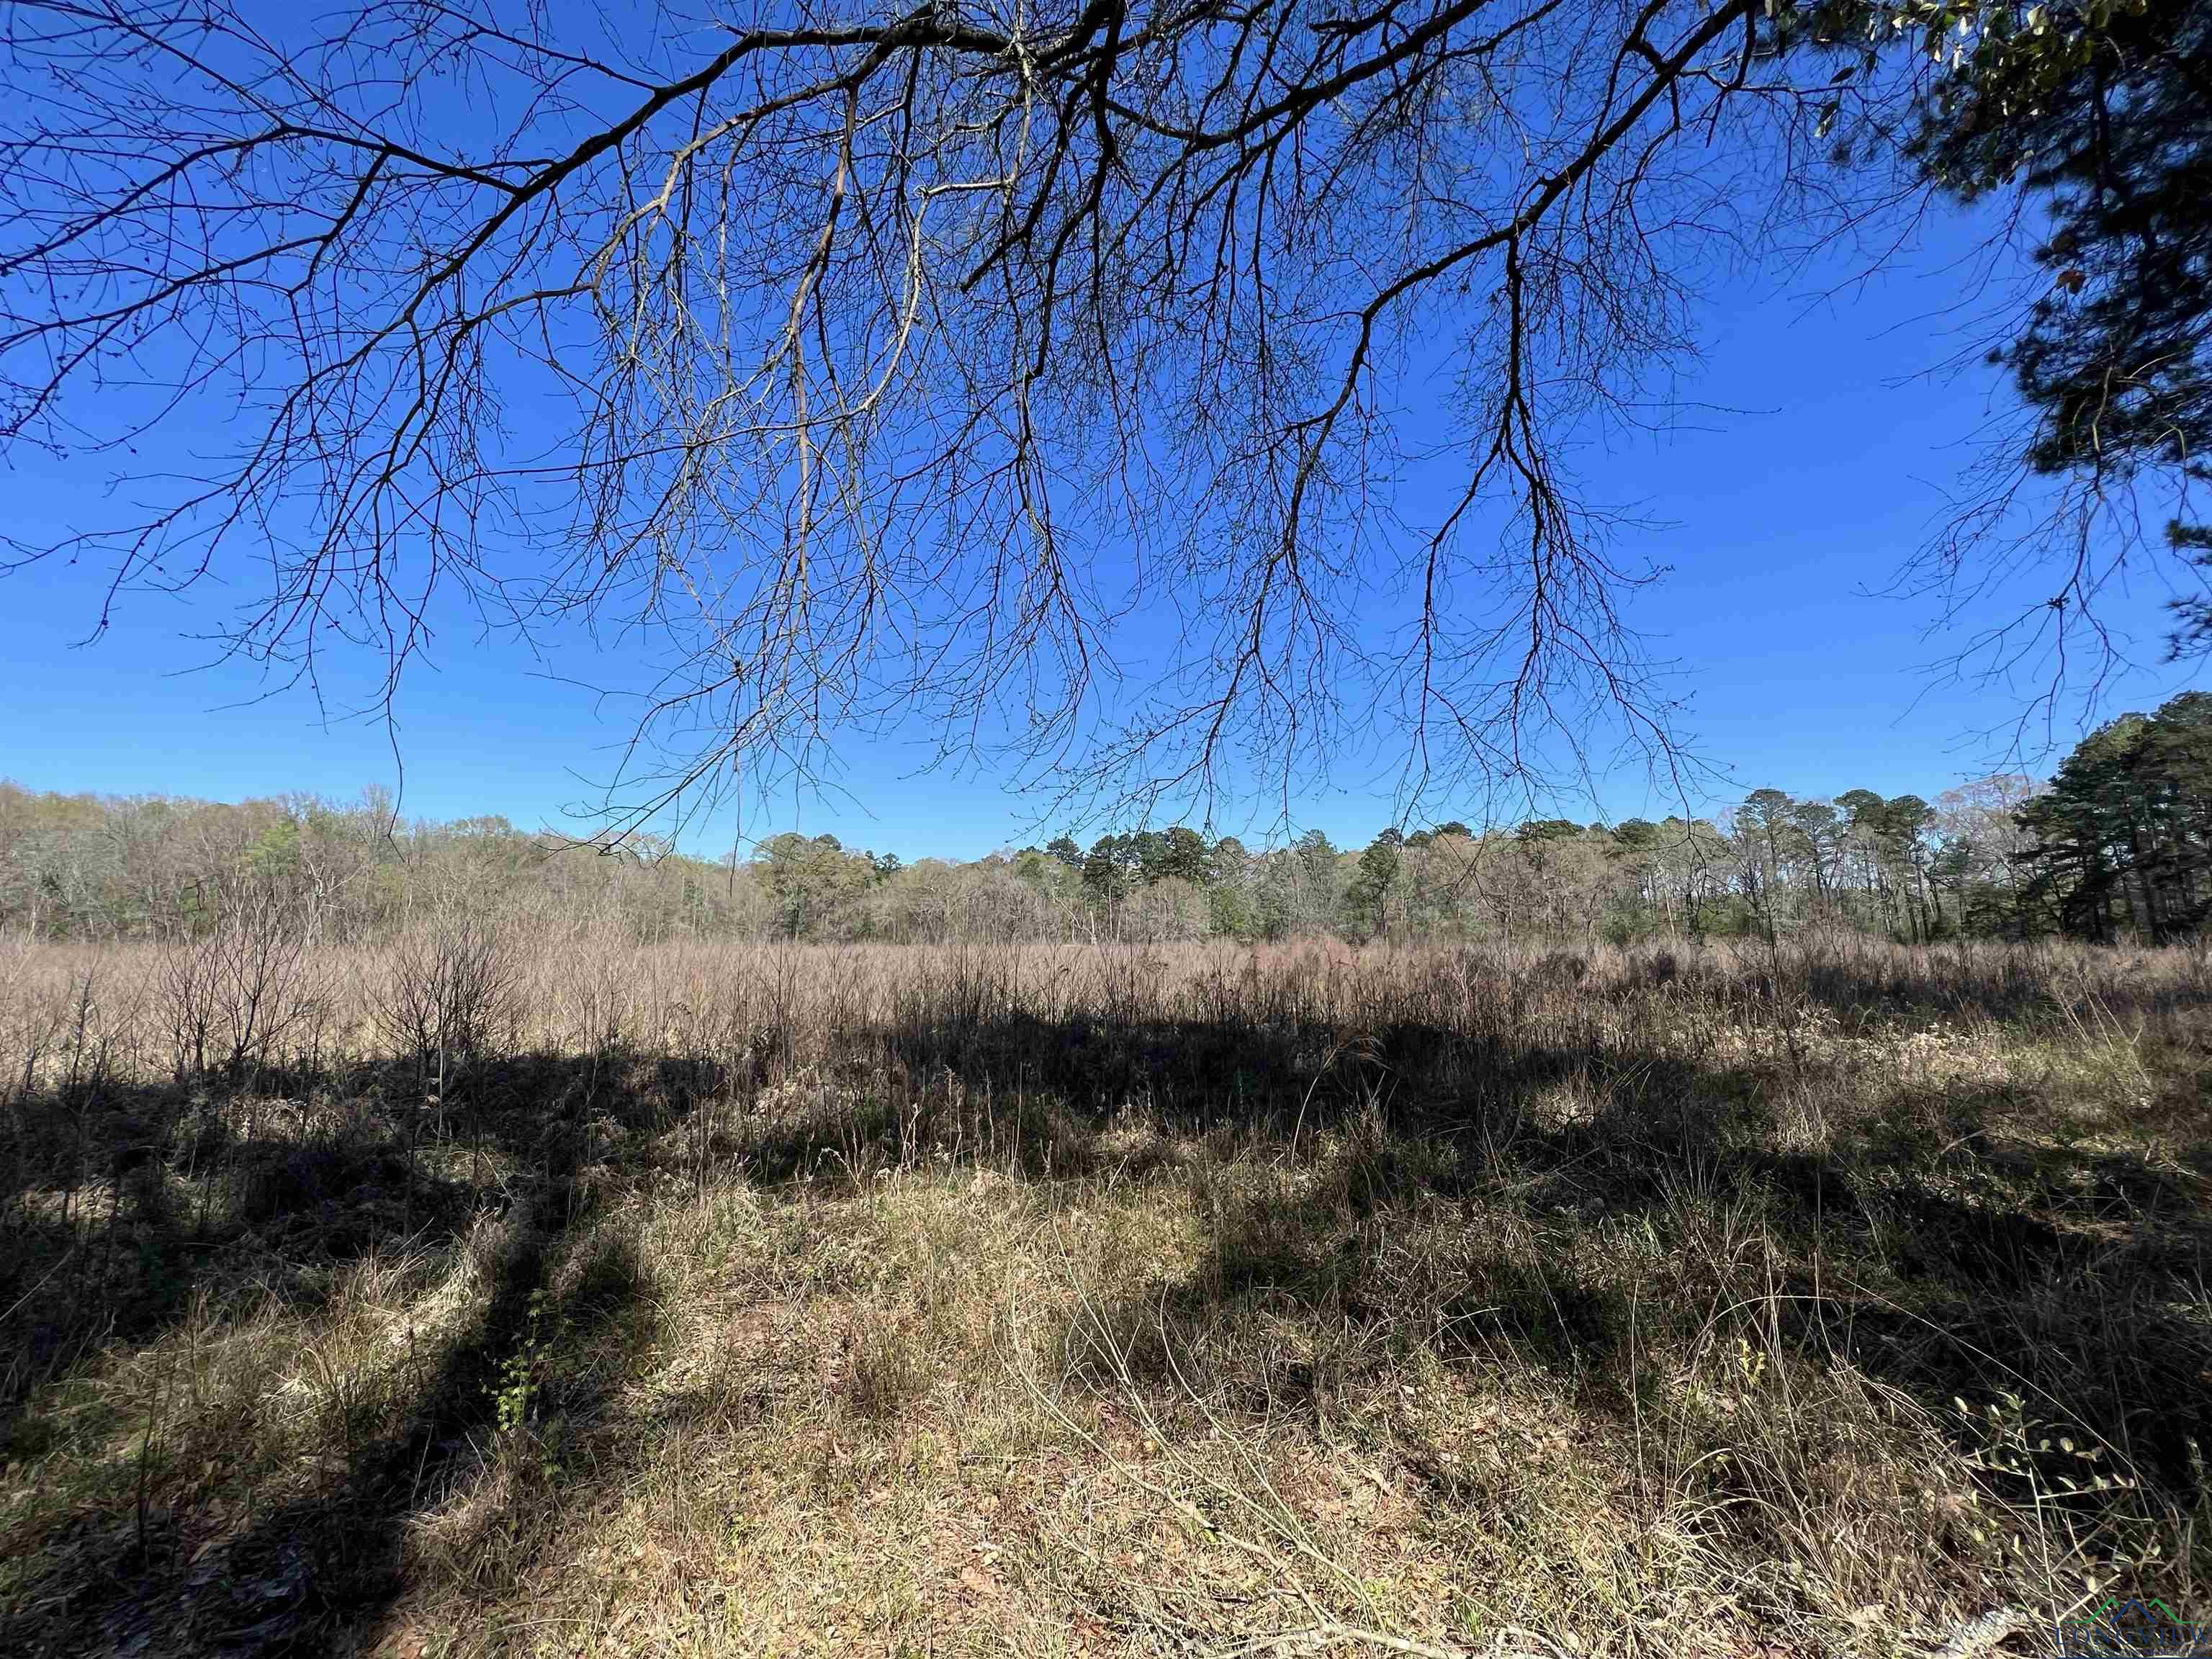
881, 365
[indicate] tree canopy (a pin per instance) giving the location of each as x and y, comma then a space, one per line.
875, 359
2125, 834
2096, 111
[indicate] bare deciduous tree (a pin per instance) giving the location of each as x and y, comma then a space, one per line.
875, 359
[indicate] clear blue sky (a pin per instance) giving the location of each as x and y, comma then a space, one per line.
1820, 461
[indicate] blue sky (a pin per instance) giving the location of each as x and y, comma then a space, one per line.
1820, 460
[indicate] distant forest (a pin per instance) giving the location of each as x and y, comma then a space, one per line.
2116, 845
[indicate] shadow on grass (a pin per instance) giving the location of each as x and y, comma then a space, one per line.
1924, 1242
268, 1222
1930, 1243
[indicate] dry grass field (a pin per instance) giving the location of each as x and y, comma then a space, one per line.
497, 1292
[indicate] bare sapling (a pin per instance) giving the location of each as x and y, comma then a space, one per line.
232, 990
450, 997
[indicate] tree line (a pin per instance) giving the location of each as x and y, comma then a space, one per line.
2116, 845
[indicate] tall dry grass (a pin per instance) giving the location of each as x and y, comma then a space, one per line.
501, 1290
